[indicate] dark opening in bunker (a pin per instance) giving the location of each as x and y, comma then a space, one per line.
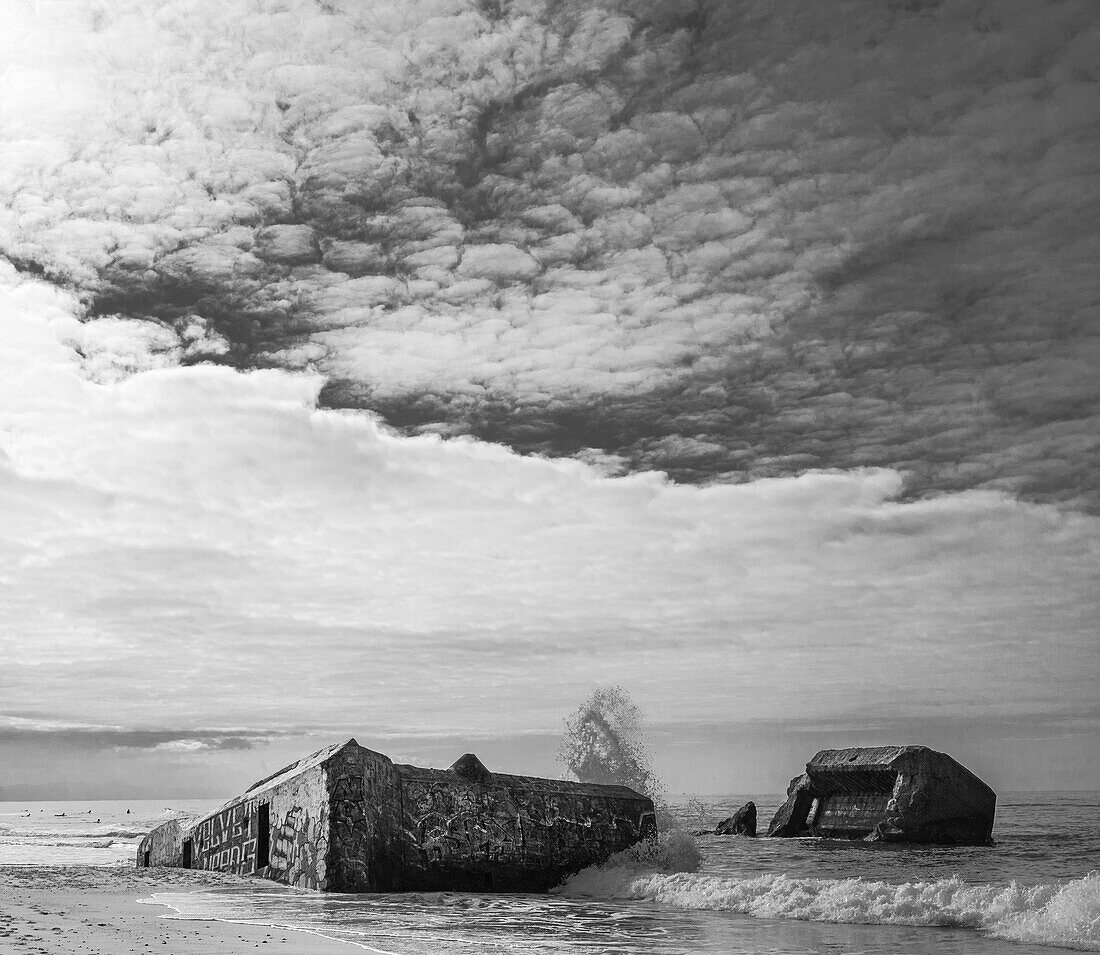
145, 859
263, 836
849, 803
185, 861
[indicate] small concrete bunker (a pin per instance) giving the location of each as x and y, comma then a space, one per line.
348, 819
888, 794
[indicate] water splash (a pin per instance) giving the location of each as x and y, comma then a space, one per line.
604, 742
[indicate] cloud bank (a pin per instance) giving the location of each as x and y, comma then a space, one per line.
188, 549
724, 240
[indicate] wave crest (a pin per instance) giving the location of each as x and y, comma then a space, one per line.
1066, 915
87, 832
672, 851
1070, 918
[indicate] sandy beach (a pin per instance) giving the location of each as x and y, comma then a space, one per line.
66, 910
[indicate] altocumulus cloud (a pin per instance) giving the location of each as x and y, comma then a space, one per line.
181, 542
723, 240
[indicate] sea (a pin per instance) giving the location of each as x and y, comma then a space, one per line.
1036, 890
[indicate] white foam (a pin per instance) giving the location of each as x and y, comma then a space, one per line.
78, 832
1071, 918
1066, 915
673, 851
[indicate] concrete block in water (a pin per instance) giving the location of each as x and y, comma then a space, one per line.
888, 794
349, 819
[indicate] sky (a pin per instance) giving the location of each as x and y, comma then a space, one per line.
406, 370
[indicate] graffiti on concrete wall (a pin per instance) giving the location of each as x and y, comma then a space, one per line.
297, 849
300, 830
226, 840
349, 819
363, 799
510, 829
297, 814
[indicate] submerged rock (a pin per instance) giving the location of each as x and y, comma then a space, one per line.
741, 823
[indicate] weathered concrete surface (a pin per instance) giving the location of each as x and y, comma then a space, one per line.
365, 798
480, 831
890, 794
297, 831
164, 845
349, 819
227, 840
741, 823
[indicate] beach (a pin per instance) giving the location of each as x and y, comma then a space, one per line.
68, 884
67, 909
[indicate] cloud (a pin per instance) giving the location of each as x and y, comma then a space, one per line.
31, 732
790, 313
733, 242
206, 554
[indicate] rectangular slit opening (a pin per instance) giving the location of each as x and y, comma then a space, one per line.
145, 859
263, 836
185, 862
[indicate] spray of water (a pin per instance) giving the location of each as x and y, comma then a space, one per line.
604, 742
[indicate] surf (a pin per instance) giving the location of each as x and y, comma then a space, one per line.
1061, 914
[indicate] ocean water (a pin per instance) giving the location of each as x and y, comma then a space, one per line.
1036, 890
87, 832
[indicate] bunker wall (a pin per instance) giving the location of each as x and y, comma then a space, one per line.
364, 822
280, 831
348, 819
163, 846
904, 794
509, 833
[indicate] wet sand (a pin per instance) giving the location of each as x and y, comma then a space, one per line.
95, 911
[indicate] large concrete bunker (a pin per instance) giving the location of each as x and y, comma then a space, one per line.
348, 819
888, 794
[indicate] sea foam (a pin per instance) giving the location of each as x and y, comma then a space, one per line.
1066, 915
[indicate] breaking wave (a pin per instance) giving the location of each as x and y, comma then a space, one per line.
86, 832
1066, 915
673, 851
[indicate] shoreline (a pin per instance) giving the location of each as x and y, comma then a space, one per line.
61, 910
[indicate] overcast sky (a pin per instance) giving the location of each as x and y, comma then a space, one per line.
405, 370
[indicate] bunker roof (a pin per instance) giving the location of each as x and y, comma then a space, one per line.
299, 766
865, 757
461, 768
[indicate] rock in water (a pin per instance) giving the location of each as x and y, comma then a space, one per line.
741, 823
888, 794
